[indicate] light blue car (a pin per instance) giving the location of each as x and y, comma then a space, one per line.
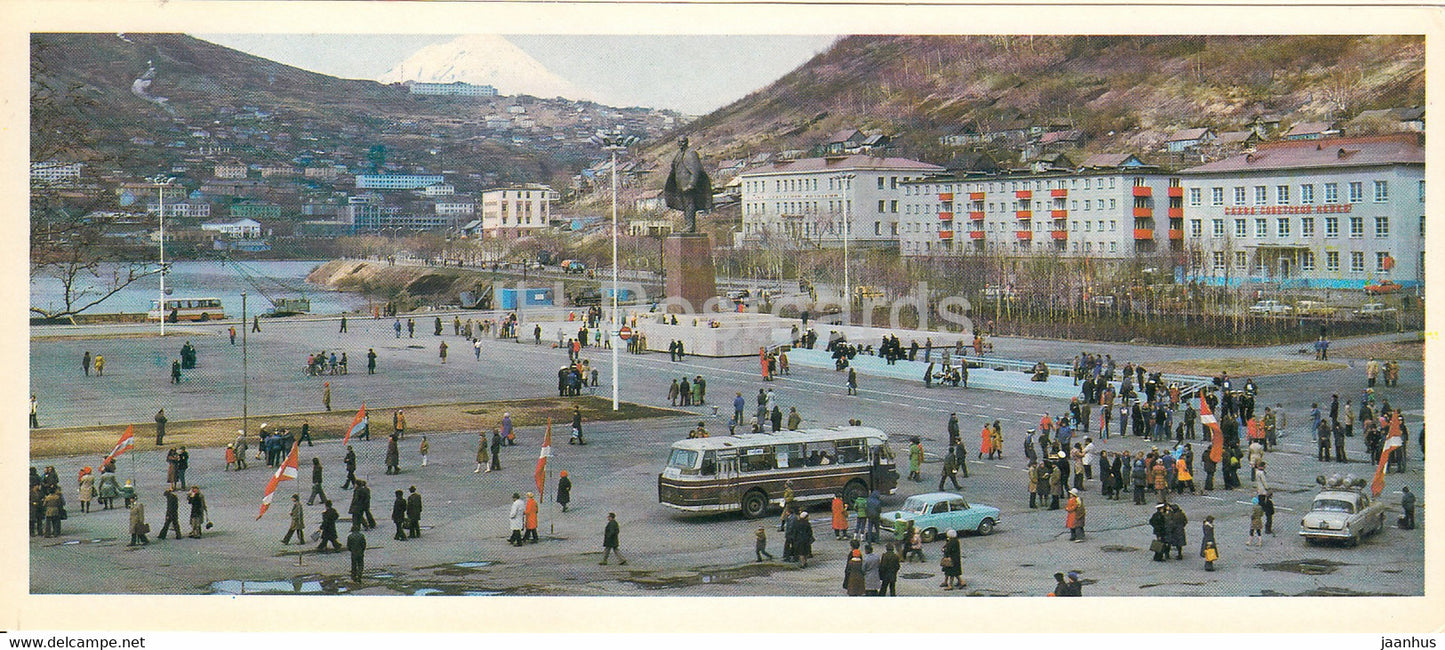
936, 512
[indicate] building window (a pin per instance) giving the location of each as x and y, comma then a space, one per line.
1281, 195
1239, 195
1357, 262
1357, 227
880, 182
1076, 204
1218, 228
1307, 227
1196, 228
1086, 183
1422, 191
1241, 228
1113, 247
1306, 194
1219, 260
882, 205
1382, 227
1357, 192
1380, 258
1282, 227
1307, 260
893, 207
1216, 195
1261, 228
1112, 204
1332, 226
877, 229
1113, 226
1382, 191
1088, 205
1241, 260
1332, 261
1422, 227
1332, 192
1196, 196
1261, 194
893, 182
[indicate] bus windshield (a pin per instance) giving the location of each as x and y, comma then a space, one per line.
683, 459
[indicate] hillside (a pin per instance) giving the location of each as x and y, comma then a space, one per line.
1124, 93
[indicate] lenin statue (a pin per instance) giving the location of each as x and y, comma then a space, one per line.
688, 187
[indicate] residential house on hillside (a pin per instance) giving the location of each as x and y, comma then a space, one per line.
845, 141
1399, 119
1311, 131
235, 228
1265, 124
965, 135
1112, 161
650, 201
1056, 139
1050, 162
972, 164
1236, 141
231, 170
1189, 139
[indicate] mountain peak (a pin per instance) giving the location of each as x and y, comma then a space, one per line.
484, 59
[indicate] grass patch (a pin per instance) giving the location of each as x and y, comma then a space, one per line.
1413, 350
1243, 367
420, 419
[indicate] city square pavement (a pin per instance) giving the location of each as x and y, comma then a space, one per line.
462, 549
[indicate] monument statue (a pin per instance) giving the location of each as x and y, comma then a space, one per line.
688, 187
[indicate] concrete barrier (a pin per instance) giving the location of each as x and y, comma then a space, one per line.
985, 378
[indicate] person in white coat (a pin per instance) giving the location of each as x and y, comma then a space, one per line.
515, 518
1089, 458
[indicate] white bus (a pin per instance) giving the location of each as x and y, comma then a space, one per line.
187, 309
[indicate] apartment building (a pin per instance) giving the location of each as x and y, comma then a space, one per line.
511, 212
817, 201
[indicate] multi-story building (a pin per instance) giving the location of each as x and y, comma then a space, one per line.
1330, 213
455, 209
255, 210
396, 181
1128, 211
514, 211
230, 170
440, 189
818, 200
55, 173
366, 214
234, 228
453, 89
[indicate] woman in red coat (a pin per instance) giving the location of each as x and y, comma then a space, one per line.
840, 517
531, 519
985, 443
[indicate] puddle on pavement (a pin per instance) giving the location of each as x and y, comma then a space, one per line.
1329, 591
685, 578
1113, 548
1156, 584
1309, 567
295, 586
916, 576
473, 565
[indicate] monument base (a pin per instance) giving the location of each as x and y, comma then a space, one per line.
690, 282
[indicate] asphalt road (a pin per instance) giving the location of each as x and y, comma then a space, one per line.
669, 553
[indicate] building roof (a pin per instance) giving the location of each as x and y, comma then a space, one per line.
1109, 160
1060, 136
844, 135
1401, 114
1237, 137
1188, 134
857, 161
1393, 149
1310, 128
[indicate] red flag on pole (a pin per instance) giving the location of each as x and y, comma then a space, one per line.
541, 474
126, 443
1206, 418
1392, 443
358, 424
286, 472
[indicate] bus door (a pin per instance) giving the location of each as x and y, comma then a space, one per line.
727, 477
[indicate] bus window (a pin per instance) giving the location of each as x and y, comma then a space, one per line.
791, 456
757, 459
852, 451
683, 459
709, 463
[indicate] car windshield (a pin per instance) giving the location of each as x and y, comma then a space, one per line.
914, 505
1334, 505
682, 459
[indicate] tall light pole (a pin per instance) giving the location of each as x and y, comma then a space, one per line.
847, 183
613, 143
161, 181
245, 384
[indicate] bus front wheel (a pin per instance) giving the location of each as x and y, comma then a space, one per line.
855, 490
205, 317
755, 503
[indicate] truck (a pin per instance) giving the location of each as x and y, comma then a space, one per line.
1270, 308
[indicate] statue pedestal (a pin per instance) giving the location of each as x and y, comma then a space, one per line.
687, 260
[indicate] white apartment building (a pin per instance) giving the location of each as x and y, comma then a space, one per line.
453, 89
396, 181
511, 212
456, 209
818, 200
1115, 213
230, 170
54, 173
234, 228
1337, 213
440, 189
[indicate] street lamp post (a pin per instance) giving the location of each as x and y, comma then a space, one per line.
161, 181
846, 182
245, 383
613, 143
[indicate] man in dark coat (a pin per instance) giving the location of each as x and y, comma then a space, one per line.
173, 517
577, 425
393, 455
888, 571
398, 515
1159, 522
496, 449
413, 513
356, 543
160, 427
361, 506
350, 462
610, 533
328, 528
564, 490
1174, 534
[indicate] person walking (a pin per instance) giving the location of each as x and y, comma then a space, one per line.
361, 505
1407, 504
1074, 520
100, 365
413, 512
840, 516
515, 519
950, 471
298, 522
496, 464
326, 396
356, 544
173, 518
138, 526
1174, 533
610, 534
423, 449
531, 509
443, 351
888, 567
183, 461
350, 462
1256, 524
393, 455
853, 580
760, 544
951, 562
852, 381
329, 516
85, 363
915, 460
564, 490
482, 457
160, 427
398, 516
199, 512
1207, 543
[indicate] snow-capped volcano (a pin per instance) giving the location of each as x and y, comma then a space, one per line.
484, 59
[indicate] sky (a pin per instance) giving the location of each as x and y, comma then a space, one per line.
691, 74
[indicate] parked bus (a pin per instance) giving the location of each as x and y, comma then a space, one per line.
188, 309
749, 472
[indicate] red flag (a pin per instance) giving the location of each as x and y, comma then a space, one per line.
1206, 418
358, 424
1255, 431
541, 474
286, 472
126, 443
1392, 443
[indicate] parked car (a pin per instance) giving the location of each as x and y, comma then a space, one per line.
1375, 310
1382, 288
1344, 511
1314, 308
936, 512
1270, 307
